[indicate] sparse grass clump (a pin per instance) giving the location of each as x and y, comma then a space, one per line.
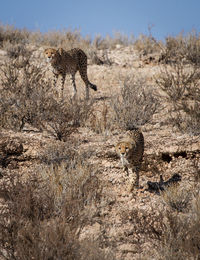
177, 198
135, 105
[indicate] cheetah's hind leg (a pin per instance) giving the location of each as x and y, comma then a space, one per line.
87, 94
136, 170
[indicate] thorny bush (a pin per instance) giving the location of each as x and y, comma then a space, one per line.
135, 105
44, 214
181, 89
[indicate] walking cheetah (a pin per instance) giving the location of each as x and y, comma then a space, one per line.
69, 62
130, 150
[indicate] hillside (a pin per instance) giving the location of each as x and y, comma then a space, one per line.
63, 192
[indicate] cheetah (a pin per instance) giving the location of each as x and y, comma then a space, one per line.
69, 62
130, 150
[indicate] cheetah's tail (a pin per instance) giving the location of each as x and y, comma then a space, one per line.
94, 87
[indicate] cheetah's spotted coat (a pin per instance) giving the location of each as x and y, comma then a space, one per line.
69, 62
130, 149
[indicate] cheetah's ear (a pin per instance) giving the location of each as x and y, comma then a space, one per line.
60, 51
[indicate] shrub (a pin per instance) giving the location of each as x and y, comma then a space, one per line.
11, 35
66, 39
182, 48
27, 98
109, 42
147, 44
16, 50
44, 215
135, 105
63, 118
24, 95
180, 85
176, 198
181, 233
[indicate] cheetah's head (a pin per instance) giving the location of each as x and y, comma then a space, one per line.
50, 54
123, 149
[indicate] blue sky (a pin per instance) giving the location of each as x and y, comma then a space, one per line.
104, 17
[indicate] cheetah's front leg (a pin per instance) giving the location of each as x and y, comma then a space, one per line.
137, 178
73, 84
62, 85
132, 182
136, 171
126, 170
55, 79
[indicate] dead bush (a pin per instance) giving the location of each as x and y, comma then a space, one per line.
103, 60
101, 43
177, 198
14, 51
193, 48
63, 118
144, 225
44, 214
24, 94
27, 98
72, 178
174, 48
135, 105
182, 48
65, 38
181, 234
11, 35
147, 44
180, 86
100, 120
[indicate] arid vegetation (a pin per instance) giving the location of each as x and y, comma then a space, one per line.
62, 193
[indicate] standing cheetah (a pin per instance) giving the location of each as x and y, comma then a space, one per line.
130, 149
69, 62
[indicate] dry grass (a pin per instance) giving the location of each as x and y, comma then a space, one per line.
27, 98
45, 213
181, 236
180, 85
135, 105
183, 48
177, 198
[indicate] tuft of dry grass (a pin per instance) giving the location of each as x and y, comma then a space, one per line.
176, 198
181, 234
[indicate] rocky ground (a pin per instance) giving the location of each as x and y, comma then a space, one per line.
122, 220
